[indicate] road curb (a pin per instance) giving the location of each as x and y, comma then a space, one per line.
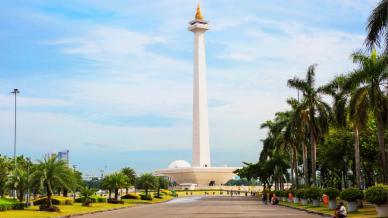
94, 212
308, 211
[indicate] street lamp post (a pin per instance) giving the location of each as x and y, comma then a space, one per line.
15, 92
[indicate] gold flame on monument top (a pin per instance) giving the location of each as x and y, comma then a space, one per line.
198, 14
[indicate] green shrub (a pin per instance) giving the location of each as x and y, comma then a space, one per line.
130, 196
333, 193
377, 194
19, 206
146, 197
7, 204
300, 193
352, 194
56, 200
313, 193
93, 199
279, 193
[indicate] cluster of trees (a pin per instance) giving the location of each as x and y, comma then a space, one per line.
334, 135
52, 176
47, 176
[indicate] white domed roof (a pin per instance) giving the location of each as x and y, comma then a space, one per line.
179, 164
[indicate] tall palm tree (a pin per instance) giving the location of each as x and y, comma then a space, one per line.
368, 81
295, 134
50, 174
377, 26
131, 177
18, 180
318, 111
350, 105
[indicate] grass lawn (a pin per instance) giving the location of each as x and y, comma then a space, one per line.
367, 212
33, 212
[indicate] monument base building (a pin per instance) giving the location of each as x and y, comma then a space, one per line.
201, 173
184, 175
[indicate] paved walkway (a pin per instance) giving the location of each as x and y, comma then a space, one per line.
205, 207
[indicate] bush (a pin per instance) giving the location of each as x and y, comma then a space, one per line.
313, 193
279, 193
93, 199
19, 206
130, 196
165, 191
56, 200
352, 194
6, 204
333, 193
114, 201
299, 193
146, 197
49, 209
377, 194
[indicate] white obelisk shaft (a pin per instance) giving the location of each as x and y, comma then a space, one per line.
201, 147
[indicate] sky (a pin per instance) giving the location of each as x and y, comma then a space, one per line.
112, 80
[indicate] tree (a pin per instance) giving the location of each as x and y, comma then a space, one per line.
50, 174
377, 26
367, 80
115, 182
147, 181
163, 183
86, 194
18, 180
318, 112
131, 177
4, 171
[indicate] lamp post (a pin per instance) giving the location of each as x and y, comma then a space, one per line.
15, 92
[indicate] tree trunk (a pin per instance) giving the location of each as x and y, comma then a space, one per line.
295, 162
305, 165
110, 193
292, 166
380, 136
357, 156
116, 193
313, 157
126, 190
65, 192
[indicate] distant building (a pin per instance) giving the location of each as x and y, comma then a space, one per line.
64, 155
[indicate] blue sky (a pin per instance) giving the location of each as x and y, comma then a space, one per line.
112, 80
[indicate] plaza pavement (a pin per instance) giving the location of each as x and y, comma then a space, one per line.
206, 207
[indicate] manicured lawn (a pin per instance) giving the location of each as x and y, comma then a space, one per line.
366, 212
33, 212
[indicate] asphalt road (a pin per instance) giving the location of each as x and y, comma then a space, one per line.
205, 207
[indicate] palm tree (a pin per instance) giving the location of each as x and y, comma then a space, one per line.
351, 104
377, 26
318, 111
163, 183
115, 182
131, 177
147, 181
367, 81
86, 194
50, 174
18, 180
